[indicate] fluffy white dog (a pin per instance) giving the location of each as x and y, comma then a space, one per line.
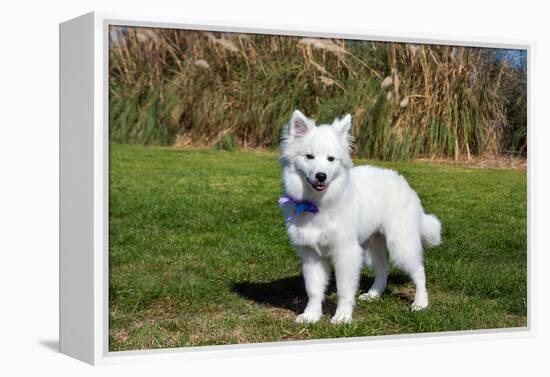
349, 215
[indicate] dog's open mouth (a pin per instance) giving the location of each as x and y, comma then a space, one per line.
317, 186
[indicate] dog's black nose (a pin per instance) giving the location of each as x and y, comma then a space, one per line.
321, 177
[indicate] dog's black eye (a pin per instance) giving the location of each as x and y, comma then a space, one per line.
309, 156
330, 158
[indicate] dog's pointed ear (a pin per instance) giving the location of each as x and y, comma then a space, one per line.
345, 123
343, 126
299, 124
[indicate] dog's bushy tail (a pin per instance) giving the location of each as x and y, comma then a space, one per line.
430, 231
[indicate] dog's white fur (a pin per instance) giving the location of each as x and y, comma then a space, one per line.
362, 210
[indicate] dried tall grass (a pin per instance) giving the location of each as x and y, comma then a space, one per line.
236, 89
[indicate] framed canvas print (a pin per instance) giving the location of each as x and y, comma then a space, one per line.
236, 189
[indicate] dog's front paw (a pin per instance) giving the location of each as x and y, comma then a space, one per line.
369, 296
308, 317
342, 316
418, 305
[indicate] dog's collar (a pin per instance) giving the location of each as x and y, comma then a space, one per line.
299, 206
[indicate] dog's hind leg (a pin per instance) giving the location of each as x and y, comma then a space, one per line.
316, 271
405, 249
375, 255
421, 295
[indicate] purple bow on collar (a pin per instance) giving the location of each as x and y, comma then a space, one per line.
299, 206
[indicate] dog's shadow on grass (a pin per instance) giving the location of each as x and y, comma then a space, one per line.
289, 293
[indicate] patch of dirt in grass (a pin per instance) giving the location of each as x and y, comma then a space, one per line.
160, 315
496, 162
120, 335
281, 313
404, 293
301, 334
219, 328
209, 333
161, 310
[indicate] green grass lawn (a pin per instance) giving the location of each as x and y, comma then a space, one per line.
198, 253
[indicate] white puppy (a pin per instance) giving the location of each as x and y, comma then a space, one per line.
348, 215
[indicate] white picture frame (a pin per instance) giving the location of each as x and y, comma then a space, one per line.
84, 157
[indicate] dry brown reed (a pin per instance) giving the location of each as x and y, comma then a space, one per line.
407, 100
